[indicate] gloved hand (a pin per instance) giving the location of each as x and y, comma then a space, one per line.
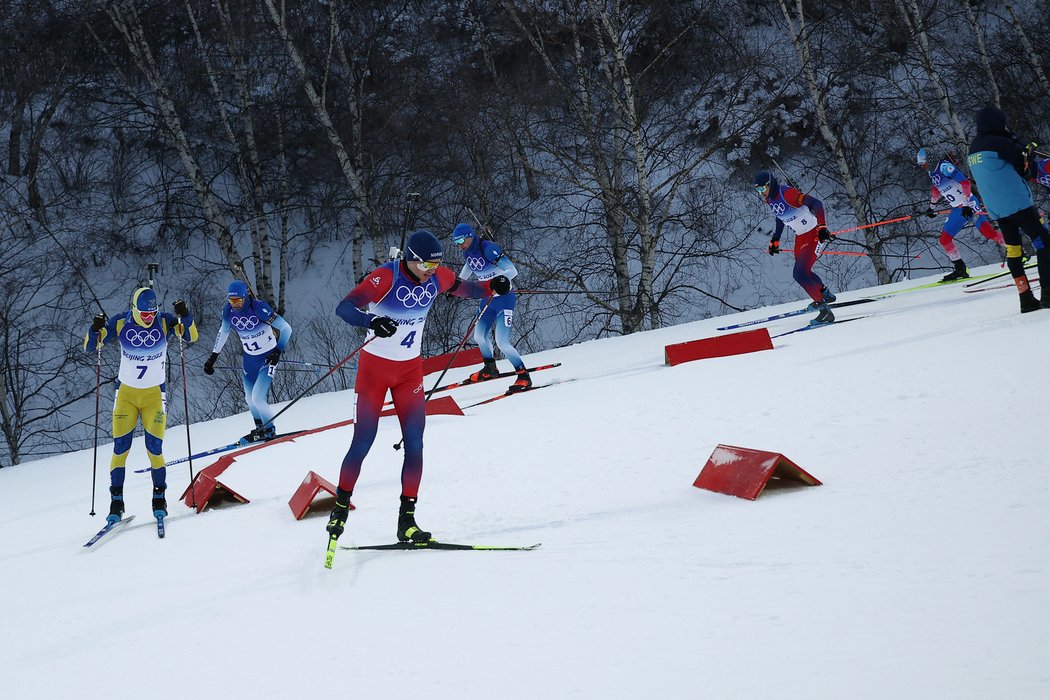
499, 285
273, 358
822, 234
931, 213
180, 309
967, 212
98, 322
209, 364
774, 247
383, 326
1032, 145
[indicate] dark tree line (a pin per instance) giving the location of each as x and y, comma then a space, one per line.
608, 144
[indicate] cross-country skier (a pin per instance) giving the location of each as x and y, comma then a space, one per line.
804, 214
264, 336
998, 161
142, 333
484, 259
397, 295
949, 182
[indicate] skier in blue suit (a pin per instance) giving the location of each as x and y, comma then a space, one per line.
264, 336
485, 260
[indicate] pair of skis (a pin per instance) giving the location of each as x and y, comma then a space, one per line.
116, 526
789, 314
219, 450
333, 545
818, 325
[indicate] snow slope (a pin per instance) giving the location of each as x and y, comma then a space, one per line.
918, 570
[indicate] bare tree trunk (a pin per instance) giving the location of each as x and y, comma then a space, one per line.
125, 18
801, 44
36, 143
1029, 50
14, 140
350, 172
978, 36
913, 17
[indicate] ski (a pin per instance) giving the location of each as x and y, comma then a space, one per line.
442, 545
501, 375
789, 314
1008, 285
819, 325
110, 527
160, 527
219, 450
989, 278
329, 556
508, 394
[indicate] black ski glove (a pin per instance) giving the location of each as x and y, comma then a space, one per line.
774, 247
931, 213
967, 212
273, 358
98, 322
822, 234
209, 364
383, 326
499, 285
180, 309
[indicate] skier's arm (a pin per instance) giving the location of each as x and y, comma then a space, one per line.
94, 338
458, 287
188, 330
464, 274
224, 332
817, 207
372, 288
284, 331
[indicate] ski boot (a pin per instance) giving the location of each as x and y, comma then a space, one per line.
407, 530
160, 506
1029, 302
337, 521
269, 433
116, 504
487, 371
825, 316
959, 273
523, 382
826, 297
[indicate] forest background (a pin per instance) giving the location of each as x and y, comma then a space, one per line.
609, 146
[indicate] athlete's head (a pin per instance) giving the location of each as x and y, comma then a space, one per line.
236, 294
423, 254
144, 306
920, 159
463, 235
766, 183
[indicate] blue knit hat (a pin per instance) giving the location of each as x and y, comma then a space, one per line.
237, 288
462, 232
423, 246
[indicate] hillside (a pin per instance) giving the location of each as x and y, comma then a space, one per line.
917, 570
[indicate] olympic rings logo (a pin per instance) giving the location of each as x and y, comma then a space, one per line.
143, 338
476, 263
777, 208
244, 323
415, 296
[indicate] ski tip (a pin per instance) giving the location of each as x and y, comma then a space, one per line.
329, 556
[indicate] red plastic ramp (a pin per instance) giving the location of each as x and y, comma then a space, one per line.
206, 490
743, 472
304, 496
463, 359
718, 346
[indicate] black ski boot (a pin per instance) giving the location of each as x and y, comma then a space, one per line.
522, 383
487, 371
337, 522
116, 504
407, 530
160, 506
959, 273
1029, 302
825, 316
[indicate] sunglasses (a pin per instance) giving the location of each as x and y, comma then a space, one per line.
428, 265
459, 240
147, 316
235, 301
762, 189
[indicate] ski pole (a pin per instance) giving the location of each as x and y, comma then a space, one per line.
413, 199
186, 408
452, 359
312, 386
289, 369
94, 450
561, 291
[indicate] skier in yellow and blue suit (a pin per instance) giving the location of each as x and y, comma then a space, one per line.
142, 333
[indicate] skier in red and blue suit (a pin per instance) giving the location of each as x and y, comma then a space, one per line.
398, 296
804, 214
1040, 171
949, 182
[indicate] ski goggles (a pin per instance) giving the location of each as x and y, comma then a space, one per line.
148, 317
762, 189
236, 302
458, 240
428, 265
